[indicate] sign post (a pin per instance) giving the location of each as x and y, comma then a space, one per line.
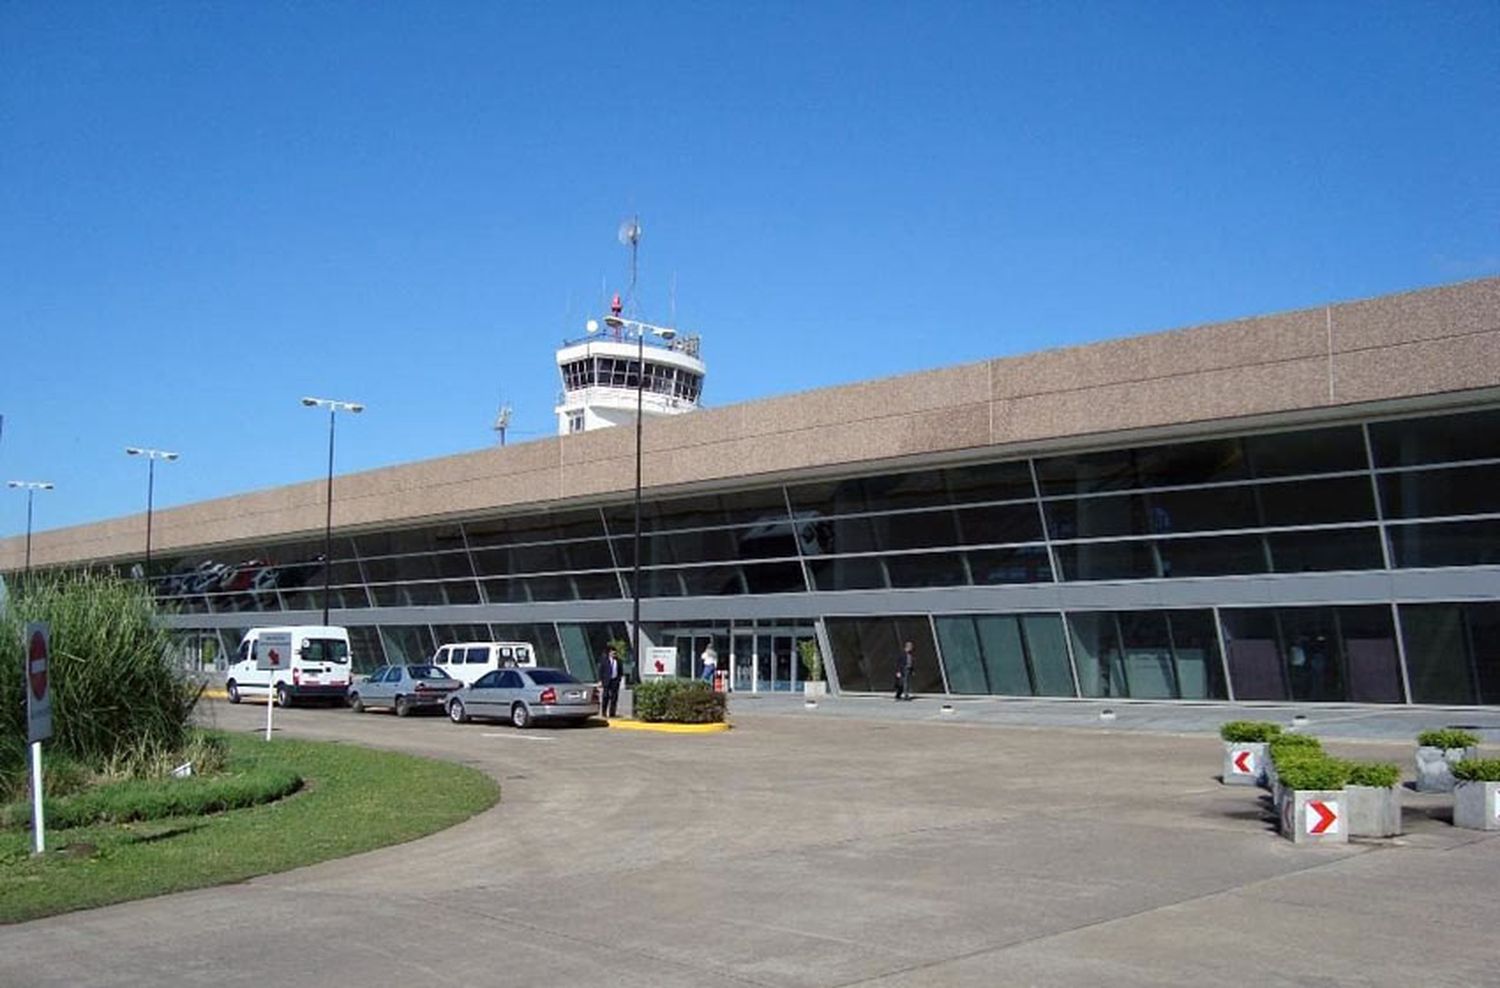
38, 647
273, 654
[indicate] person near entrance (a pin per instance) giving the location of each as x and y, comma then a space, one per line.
710, 663
610, 673
904, 667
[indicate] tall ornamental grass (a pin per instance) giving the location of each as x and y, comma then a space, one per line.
119, 705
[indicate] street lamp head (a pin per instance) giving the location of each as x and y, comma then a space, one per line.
355, 407
169, 456
13, 483
133, 451
310, 402
667, 333
45, 487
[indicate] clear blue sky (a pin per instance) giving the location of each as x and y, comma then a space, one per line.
210, 209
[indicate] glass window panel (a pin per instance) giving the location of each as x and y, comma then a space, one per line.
390, 569
920, 489
855, 573
407, 644
1483, 622
1004, 655
1437, 439
993, 567
401, 542
1108, 561
424, 594
1096, 650
1458, 543
1222, 556
915, 530
865, 652
548, 526
1330, 549
961, 655
928, 569
764, 506
1453, 491
1371, 663
1439, 660
1253, 643
1308, 451
1201, 462
1047, 650
1195, 648
1316, 501
759, 542
1146, 651
999, 523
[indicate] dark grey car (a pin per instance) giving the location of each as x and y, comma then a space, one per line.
403, 689
525, 696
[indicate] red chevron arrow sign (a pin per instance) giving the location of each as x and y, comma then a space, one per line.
1243, 763
1322, 816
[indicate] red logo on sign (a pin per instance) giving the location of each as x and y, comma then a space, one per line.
660, 666
274, 657
36, 668
1326, 817
1242, 762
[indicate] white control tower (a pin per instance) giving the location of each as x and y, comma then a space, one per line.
601, 373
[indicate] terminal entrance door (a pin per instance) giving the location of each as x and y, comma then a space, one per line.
757, 659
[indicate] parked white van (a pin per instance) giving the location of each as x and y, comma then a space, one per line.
312, 660
468, 661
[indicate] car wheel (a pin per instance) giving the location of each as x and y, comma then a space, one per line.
403, 706
520, 716
457, 713
356, 704
283, 696
233, 689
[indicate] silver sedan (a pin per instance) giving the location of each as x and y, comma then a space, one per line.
525, 696
403, 689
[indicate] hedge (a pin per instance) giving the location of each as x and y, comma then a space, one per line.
1477, 770
1249, 731
678, 701
1447, 737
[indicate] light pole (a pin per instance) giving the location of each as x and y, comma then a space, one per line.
334, 407
30, 487
151, 455
616, 321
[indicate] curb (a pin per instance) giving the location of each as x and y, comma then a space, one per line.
623, 724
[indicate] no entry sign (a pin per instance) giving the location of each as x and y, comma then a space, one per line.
38, 688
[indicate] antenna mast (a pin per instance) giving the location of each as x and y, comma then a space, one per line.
630, 236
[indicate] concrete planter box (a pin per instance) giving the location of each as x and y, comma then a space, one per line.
1314, 816
815, 689
1476, 805
1374, 811
1435, 767
1244, 763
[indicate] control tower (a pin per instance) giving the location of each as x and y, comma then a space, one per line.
601, 373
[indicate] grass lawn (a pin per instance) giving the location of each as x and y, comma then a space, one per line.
353, 799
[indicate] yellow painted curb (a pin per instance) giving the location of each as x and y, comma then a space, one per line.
641, 725
216, 694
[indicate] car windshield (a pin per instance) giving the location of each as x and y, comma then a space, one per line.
325, 650
425, 672
550, 677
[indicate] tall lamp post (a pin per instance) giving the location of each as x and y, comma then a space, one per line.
30, 487
334, 407
151, 455
617, 321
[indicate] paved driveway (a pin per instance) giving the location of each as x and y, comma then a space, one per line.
800, 849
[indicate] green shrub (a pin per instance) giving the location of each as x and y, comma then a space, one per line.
124, 802
678, 701
1447, 737
1477, 770
1319, 772
1285, 744
1249, 731
116, 696
1382, 775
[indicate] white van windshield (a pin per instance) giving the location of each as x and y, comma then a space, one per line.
326, 650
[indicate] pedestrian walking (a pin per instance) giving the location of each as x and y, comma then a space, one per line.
904, 667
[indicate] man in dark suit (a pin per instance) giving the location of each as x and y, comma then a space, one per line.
610, 673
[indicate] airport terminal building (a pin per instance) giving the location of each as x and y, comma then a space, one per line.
1302, 506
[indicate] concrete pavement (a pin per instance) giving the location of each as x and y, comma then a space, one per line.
862, 842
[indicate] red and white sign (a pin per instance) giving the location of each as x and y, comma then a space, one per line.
1322, 816
1243, 762
37, 685
661, 661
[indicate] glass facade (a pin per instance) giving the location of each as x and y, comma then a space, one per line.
1417, 493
